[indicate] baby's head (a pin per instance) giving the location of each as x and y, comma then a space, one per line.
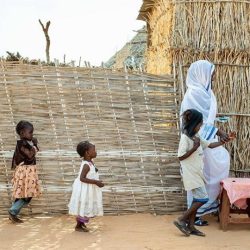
25, 130
192, 122
86, 150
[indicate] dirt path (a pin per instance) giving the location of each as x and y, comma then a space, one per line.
128, 232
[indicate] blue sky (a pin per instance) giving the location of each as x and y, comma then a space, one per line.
92, 29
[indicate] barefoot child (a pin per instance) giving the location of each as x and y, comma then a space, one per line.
25, 179
190, 154
86, 198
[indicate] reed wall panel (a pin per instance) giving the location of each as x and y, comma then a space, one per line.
130, 117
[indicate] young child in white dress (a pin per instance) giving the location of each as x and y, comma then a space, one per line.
86, 198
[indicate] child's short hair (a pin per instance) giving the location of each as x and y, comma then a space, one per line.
191, 118
83, 147
23, 125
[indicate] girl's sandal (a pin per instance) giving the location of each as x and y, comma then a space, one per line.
199, 222
85, 229
14, 218
197, 233
182, 228
81, 229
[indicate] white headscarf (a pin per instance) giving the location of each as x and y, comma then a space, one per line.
199, 94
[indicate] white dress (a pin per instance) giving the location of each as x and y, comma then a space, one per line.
86, 199
192, 167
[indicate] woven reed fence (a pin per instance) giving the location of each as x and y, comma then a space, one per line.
130, 117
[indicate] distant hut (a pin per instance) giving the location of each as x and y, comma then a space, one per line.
183, 31
132, 54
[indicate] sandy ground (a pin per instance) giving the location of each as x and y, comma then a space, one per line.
127, 232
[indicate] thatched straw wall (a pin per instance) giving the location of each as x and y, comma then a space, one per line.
181, 32
130, 117
159, 27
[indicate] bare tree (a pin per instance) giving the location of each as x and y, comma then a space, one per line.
45, 31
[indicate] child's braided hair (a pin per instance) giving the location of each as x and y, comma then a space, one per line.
23, 125
83, 147
191, 118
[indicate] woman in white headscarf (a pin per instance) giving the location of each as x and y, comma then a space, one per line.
199, 96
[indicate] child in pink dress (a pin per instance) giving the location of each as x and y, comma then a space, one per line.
25, 178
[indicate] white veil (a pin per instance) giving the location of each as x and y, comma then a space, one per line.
199, 94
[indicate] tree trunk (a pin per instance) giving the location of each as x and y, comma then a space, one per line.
45, 31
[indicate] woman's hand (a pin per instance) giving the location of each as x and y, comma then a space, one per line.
224, 137
99, 184
232, 135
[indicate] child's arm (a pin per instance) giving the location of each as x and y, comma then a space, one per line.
35, 142
216, 144
191, 151
29, 153
231, 136
83, 178
27, 150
